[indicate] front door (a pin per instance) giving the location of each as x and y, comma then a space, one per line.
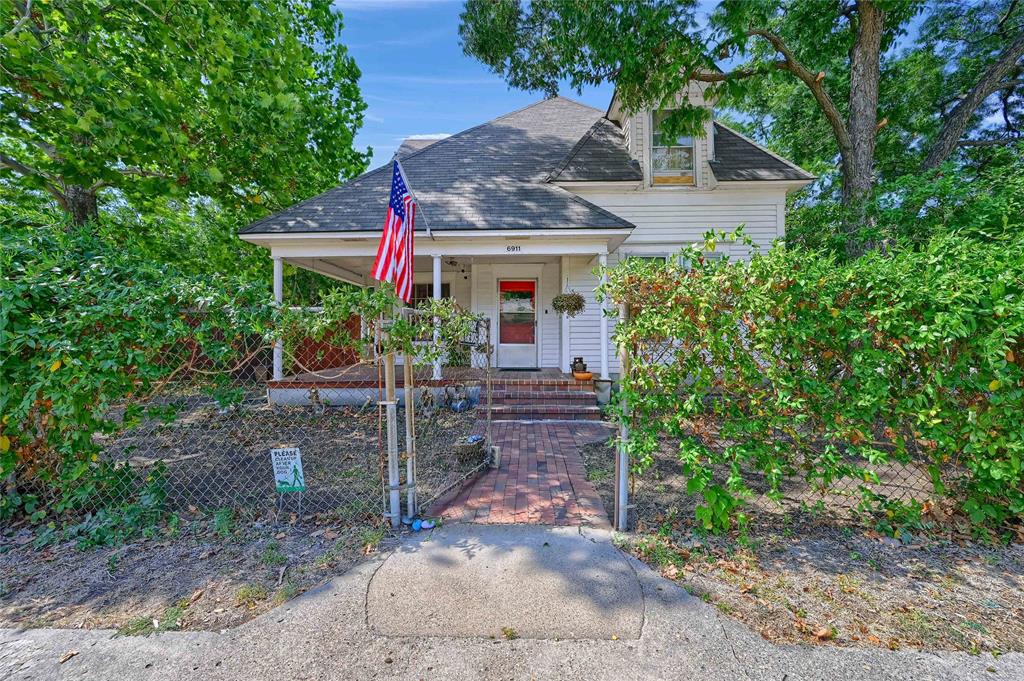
517, 323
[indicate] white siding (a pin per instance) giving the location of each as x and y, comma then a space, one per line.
668, 219
550, 326
585, 328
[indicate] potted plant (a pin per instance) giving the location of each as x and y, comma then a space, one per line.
570, 303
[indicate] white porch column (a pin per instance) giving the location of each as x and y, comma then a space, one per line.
602, 260
279, 299
436, 295
564, 288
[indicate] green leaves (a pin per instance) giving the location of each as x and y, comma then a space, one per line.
219, 99
795, 362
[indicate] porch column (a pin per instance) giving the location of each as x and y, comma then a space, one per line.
602, 260
278, 299
436, 295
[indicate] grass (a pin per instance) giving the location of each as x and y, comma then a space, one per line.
273, 555
250, 595
144, 626
223, 522
288, 591
371, 538
509, 633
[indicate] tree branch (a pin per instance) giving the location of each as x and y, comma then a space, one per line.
811, 80
960, 117
998, 142
26, 16
18, 166
738, 74
27, 171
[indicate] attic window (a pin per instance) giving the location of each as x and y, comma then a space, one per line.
671, 158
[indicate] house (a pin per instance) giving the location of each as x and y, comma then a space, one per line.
519, 209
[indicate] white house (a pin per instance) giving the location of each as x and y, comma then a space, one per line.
523, 207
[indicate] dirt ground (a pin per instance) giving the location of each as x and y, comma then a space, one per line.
205, 572
210, 567
807, 575
213, 458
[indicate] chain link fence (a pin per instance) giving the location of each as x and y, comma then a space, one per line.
660, 493
203, 440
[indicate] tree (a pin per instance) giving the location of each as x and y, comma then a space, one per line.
253, 103
985, 42
783, 54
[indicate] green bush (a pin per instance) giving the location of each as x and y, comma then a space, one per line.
799, 363
93, 324
86, 325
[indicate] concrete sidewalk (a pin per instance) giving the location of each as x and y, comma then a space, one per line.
429, 610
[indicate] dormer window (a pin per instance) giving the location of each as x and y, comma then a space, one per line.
671, 158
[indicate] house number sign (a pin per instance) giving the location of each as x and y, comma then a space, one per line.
513, 248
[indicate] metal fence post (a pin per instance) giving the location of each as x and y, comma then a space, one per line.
622, 454
391, 406
486, 332
409, 390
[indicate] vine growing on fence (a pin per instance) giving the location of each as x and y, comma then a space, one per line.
796, 364
90, 330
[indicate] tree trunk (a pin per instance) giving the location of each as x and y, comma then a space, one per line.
859, 163
81, 205
958, 120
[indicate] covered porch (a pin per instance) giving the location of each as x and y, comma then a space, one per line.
511, 278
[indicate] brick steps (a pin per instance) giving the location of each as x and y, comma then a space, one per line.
532, 398
546, 412
537, 384
583, 397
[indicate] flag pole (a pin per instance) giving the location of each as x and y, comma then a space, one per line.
426, 222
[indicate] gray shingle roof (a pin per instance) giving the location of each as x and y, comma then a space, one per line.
411, 144
600, 155
492, 176
737, 158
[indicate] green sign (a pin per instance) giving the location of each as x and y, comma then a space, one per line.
288, 475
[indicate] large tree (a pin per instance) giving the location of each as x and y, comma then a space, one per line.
250, 102
826, 63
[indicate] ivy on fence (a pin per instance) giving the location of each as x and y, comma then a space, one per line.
91, 334
796, 364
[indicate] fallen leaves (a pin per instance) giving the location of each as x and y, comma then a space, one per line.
824, 633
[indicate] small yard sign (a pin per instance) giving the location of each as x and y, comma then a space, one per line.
288, 470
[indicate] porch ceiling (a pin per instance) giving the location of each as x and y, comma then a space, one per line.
353, 269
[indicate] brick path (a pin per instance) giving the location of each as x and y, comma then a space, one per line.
541, 478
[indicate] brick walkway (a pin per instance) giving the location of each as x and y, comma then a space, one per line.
541, 478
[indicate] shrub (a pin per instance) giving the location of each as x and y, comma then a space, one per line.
92, 326
797, 363
84, 326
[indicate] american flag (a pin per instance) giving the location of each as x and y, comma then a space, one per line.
394, 255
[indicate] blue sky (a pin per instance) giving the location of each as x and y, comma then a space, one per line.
416, 81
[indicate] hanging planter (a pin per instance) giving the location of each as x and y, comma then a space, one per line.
570, 304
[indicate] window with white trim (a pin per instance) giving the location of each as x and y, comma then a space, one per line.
424, 292
671, 157
653, 258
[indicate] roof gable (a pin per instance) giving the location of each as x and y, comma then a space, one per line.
738, 158
600, 156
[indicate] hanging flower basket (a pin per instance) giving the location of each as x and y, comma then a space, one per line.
570, 304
